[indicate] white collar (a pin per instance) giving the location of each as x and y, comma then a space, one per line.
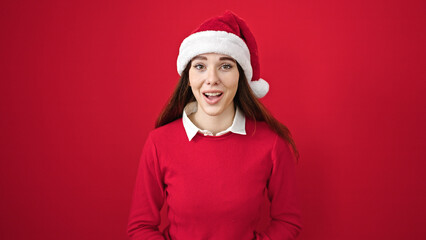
238, 125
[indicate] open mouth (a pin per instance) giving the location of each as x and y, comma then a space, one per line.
212, 97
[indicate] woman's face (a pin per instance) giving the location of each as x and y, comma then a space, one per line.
214, 81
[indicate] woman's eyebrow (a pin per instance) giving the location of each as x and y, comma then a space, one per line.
200, 57
222, 58
227, 58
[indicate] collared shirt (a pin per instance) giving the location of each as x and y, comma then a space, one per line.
238, 125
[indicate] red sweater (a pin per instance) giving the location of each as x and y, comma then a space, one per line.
214, 185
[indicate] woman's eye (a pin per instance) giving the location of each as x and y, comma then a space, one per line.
227, 66
198, 66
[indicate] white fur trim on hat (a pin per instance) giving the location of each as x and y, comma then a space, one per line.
215, 42
259, 87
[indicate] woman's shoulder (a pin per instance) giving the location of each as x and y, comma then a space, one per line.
168, 131
259, 128
259, 133
264, 135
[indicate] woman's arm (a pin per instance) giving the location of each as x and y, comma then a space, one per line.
148, 197
285, 210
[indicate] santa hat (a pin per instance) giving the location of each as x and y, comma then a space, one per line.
227, 34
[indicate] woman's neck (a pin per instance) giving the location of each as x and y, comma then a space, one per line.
214, 124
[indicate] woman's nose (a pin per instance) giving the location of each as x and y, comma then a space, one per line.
212, 77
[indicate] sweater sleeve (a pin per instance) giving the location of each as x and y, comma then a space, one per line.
148, 197
285, 212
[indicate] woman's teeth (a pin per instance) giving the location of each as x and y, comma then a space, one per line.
212, 94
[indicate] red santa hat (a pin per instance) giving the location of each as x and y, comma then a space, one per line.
227, 34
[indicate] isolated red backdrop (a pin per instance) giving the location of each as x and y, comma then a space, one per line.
82, 83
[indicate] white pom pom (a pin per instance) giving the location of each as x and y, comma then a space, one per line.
259, 87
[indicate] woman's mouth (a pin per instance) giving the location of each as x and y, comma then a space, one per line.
212, 97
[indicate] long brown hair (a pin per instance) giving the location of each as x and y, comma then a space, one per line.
244, 99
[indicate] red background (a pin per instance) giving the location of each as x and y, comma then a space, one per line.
82, 83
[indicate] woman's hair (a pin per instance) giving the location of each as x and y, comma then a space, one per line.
244, 99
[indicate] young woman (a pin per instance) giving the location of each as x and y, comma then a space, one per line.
216, 150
